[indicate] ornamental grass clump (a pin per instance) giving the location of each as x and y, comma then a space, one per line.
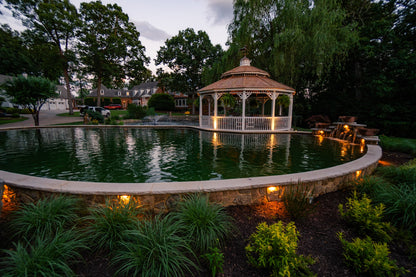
45, 217
155, 248
108, 222
366, 218
206, 225
46, 255
297, 200
274, 247
370, 258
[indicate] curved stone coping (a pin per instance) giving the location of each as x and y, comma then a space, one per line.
372, 156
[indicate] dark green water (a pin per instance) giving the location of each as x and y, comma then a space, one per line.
163, 155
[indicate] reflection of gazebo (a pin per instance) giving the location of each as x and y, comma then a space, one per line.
244, 93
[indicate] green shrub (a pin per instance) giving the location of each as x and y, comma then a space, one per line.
25, 111
136, 112
215, 260
15, 115
12, 110
95, 116
205, 224
366, 218
162, 102
90, 101
47, 256
297, 200
116, 100
274, 247
110, 221
47, 216
369, 257
150, 111
155, 248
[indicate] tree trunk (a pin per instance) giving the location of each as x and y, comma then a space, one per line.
99, 91
35, 116
68, 91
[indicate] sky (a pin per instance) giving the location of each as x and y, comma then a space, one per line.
158, 20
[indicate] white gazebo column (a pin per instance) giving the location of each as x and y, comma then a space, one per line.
200, 110
290, 111
274, 97
243, 115
216, 97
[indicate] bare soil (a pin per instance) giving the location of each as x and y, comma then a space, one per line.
317, 237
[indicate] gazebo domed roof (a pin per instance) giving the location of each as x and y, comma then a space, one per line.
248, 78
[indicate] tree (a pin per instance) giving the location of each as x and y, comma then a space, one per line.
228, 101
295, 41
109, 45
57, 19
161, 102
186, 54
30, 92
14, 57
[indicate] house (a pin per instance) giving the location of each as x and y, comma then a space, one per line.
139, 95
52, 104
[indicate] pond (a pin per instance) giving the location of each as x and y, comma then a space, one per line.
139, 155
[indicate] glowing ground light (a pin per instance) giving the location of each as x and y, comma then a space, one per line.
358, 173
271, 189
125, 198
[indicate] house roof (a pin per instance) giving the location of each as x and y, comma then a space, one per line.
246, 77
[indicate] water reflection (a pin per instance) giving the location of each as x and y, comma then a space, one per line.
156, 155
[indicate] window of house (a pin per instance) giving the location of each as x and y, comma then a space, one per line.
119, 93
102, 92
127, 93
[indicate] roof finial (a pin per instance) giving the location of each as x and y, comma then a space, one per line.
244, 61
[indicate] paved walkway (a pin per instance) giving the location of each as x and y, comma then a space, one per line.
46, 118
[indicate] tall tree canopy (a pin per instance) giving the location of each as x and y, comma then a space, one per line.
55, 18
14, 56
109, 45
293, 40
186, 54
378, 79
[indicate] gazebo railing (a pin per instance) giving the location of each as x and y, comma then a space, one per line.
251, 123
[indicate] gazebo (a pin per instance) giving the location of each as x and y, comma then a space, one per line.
245, 99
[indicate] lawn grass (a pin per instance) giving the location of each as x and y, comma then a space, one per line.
119, 112
76, 114
6, 120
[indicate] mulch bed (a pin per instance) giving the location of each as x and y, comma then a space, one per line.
317, 237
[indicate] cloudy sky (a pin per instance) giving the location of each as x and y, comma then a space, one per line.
158, 20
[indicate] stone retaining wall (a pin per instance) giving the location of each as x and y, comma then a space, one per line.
161, 197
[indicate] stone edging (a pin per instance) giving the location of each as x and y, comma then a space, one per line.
161, 196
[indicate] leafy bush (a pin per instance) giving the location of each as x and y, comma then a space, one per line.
116, 100
110, 221
47, 256
12, 110
162, 102
95, 116
135, 111
46, 217
205, 224
274, 247
215, 260
15, 115
155, 248
366, 218
369, 257
25, 111
150, 111
90, 101
297, 200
